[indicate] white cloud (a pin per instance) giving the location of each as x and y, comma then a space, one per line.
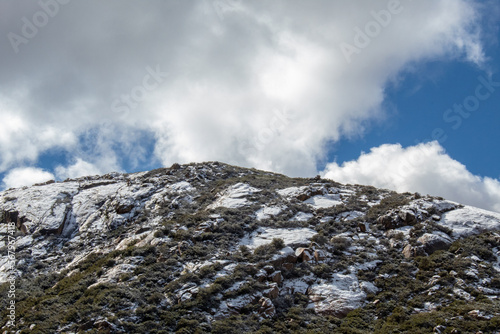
22, 139
303, 70
228, 71
424, 168
25, 176
79, 168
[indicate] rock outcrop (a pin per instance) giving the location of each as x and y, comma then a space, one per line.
193, 245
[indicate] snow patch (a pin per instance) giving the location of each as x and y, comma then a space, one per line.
113, 275
234, 196
289, 235
181, 187
292, 191
468, 220
337, 296
348, 215
294, 285
268, 211
302, 217
368, 287
324, 201
23, 242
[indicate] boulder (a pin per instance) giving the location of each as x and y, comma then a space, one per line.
303, 197
187, 292
368, 287
273, 291
276, 277
319, 255
311, 192
267, 309
407, 217
434, 242
303, 254
233, 306
387, 221
14, 217
410, 251
268, 269
285, 255
261, 276
362, 227
289, 255
335, 298
123, 208
394, 219
316, 192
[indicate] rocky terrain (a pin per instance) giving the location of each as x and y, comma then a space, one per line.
216, 248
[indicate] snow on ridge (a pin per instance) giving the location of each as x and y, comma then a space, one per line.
349, 215
469, 220
324, 201
302, 217
267, 211
182, 186
43, 206
289, 235
338, 295
292, 191
234, 196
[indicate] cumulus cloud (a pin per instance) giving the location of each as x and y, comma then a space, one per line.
26, 176
254, 83
79, 168
424, 168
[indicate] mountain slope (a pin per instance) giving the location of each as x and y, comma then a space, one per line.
216, 248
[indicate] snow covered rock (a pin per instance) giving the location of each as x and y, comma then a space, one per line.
290, 236
469, 220
267, 308
337, 296
165, 239
434, 241
234, 197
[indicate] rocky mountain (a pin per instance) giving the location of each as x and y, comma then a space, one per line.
215, 248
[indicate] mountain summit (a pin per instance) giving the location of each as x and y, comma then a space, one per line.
216, 248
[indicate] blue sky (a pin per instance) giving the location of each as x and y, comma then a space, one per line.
350, 90
420, 102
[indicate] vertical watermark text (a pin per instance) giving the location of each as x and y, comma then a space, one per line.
11, 274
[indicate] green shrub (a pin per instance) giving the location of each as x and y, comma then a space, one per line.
495, 283
267, 250
244, 250
320, 239
340, 243
393, 201
322, 270
278, 243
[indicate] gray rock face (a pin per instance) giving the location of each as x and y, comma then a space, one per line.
200, 236
435, 241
